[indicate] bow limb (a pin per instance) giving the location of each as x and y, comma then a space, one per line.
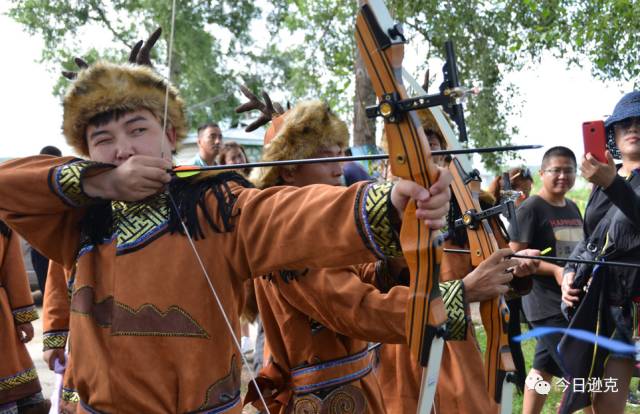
495, 313
484, 238
381, 45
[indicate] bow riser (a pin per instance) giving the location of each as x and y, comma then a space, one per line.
381, 45
494, 313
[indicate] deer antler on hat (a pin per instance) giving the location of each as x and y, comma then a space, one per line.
139, 55
104, 86
269, 109
295, 134
141, 51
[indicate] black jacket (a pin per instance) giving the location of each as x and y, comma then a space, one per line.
612, 232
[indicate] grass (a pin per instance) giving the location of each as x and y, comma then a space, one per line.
554, 397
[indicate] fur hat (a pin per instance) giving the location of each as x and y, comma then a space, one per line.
105, 86
298, 134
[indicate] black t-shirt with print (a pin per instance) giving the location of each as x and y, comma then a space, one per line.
543, 225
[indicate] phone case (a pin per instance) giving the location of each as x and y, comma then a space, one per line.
594, 136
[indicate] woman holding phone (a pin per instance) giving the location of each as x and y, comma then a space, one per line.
612, 233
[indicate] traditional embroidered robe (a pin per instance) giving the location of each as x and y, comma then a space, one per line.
55, 328
322, 319
147, 335
317, 324
18, 376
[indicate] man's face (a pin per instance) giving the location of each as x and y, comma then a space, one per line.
434, 145
559, 175
327, 173
210, 141
135, 133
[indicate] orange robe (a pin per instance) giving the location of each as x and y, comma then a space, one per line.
461, 386
55, 309
318, 320
147, 335
18, 376
317, 326
55, 328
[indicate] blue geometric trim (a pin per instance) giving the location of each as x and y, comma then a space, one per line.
335, 381
66, 181
329, 364
25, 314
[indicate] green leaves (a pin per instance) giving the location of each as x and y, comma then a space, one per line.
200, 65
309, 49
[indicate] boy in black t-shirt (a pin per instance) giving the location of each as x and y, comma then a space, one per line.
548, 220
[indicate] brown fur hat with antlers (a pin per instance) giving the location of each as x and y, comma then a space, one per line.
104, 87
295, 134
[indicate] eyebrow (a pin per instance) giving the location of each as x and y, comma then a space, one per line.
128, 122
135, 119
97, 132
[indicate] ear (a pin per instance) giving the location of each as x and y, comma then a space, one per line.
287, 175
171, 136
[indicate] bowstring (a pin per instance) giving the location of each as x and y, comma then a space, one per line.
186, 230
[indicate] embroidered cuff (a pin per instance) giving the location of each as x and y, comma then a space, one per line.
66, 182
21, 378
375, 215
453, 296
54, 340
25, 314
69, 395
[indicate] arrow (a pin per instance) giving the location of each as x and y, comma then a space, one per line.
187, 170
558, 259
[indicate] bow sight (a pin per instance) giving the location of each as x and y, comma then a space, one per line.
391, 108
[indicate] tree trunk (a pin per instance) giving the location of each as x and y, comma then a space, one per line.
364, 129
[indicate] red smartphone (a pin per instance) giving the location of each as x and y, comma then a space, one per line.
595, 139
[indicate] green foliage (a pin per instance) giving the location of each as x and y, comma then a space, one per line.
325, 51
601, 32
310, 48
199, 64
483, 51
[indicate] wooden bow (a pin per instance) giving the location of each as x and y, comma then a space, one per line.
485, 235
381, 44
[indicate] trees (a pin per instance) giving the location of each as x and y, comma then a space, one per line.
200, 64
491, 39
308, 49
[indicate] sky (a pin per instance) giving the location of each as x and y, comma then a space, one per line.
556, 100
